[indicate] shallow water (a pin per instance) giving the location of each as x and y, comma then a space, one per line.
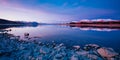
72, 35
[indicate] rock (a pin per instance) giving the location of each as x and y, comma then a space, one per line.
31, 50
44, 50
61, 44
15, 37
26, 34
107, 52
87, 48
84, 53
76, 47
4, 31
93, 46
40, 58
92, 57
47, 44
10, 29
58, 57
74, 57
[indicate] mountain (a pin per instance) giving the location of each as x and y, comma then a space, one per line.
4, 21
8, 22
96, 24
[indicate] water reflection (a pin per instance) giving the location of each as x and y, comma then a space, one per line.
68, 35
12, 48
12, 26
94, 28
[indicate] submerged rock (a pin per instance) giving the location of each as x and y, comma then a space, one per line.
5, 31
26, 34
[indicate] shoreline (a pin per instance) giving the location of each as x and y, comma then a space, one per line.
14, 48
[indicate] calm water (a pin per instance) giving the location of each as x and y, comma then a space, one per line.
72, 35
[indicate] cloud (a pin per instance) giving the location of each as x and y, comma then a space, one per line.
4, 2
10, 3
79, 12
67, 11
22, 14
98, 20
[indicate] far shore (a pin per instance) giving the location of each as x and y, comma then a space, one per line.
12, 24
99, 24
96, 25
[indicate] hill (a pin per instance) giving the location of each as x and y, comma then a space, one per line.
8, 22
4, 21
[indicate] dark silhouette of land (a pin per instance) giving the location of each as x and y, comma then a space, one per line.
4, 21
96, 24
7, 24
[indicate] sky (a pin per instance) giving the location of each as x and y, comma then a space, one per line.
56, 11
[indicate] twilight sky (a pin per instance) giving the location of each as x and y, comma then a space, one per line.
55, 11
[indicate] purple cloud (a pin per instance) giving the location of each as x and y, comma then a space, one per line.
49, 13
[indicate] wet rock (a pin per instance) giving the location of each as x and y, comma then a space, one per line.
15, 37
92, 57
74, 57
58, 57
61, 45
26, 35
40, 58
87, 48
107, 52
5, 31
47, 44
84, 53
44, 50
91, 46
76, 47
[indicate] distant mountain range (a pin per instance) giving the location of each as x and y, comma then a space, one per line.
4, 21
97, 24
8, 22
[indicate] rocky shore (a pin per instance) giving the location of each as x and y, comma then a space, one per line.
13, 48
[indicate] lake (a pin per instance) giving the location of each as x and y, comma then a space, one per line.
72, 35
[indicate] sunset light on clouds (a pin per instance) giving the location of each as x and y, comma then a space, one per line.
53, 11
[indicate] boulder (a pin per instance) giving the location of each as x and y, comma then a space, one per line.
107, 52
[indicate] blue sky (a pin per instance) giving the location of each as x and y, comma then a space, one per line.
55, 11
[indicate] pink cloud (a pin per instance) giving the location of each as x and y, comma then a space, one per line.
10, 3
4, 2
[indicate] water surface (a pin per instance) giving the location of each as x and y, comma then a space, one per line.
72, 35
